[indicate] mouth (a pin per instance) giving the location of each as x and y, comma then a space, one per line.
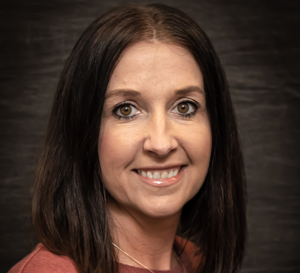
160, 174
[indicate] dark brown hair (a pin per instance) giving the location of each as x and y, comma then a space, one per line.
69, 205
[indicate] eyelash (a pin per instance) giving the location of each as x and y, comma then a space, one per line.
195, 105
120, 105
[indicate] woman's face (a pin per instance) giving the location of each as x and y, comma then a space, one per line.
155, 139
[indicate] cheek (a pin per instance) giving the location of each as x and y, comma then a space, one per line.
203, 151
198, 148
198, 144
116, 148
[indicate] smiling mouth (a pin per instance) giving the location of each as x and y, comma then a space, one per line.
159, 174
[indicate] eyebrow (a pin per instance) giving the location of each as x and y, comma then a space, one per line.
124, 92
189, 89
133, 93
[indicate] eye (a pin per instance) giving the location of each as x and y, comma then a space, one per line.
186, 108
126, 111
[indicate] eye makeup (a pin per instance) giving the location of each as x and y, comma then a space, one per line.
126, 110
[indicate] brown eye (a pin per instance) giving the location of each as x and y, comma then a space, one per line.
183, 107
125, 110
186, 108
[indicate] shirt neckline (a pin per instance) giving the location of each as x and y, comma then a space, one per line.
176, 269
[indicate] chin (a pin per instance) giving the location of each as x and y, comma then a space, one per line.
162, 211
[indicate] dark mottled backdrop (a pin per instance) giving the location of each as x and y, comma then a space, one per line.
258, 42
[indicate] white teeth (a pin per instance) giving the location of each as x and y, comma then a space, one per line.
164, 175
159, 174
156, 175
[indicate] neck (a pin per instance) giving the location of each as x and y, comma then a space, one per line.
148, 240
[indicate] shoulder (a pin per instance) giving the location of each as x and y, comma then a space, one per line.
190, 254
43, 261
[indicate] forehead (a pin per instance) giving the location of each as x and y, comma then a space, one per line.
155, 66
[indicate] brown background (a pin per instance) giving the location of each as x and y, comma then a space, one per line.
258, 42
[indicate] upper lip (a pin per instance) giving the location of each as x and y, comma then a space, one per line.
159, 167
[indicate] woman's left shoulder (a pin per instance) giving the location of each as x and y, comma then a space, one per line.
190, 254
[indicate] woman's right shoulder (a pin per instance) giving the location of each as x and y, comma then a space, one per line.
41, 260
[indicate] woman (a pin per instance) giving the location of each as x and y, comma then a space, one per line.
141, 151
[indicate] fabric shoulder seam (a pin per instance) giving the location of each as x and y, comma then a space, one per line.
25, 264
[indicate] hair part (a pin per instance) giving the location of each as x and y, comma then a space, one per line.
69, 203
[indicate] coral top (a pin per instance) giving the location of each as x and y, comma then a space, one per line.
40, 260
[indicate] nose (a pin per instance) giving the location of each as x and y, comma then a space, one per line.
160, 139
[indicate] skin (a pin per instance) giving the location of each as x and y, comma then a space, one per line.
145, 217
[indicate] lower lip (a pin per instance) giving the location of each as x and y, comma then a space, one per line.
164, 182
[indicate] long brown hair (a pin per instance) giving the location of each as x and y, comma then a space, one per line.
69, 204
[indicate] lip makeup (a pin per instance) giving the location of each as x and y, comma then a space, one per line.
162, 182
